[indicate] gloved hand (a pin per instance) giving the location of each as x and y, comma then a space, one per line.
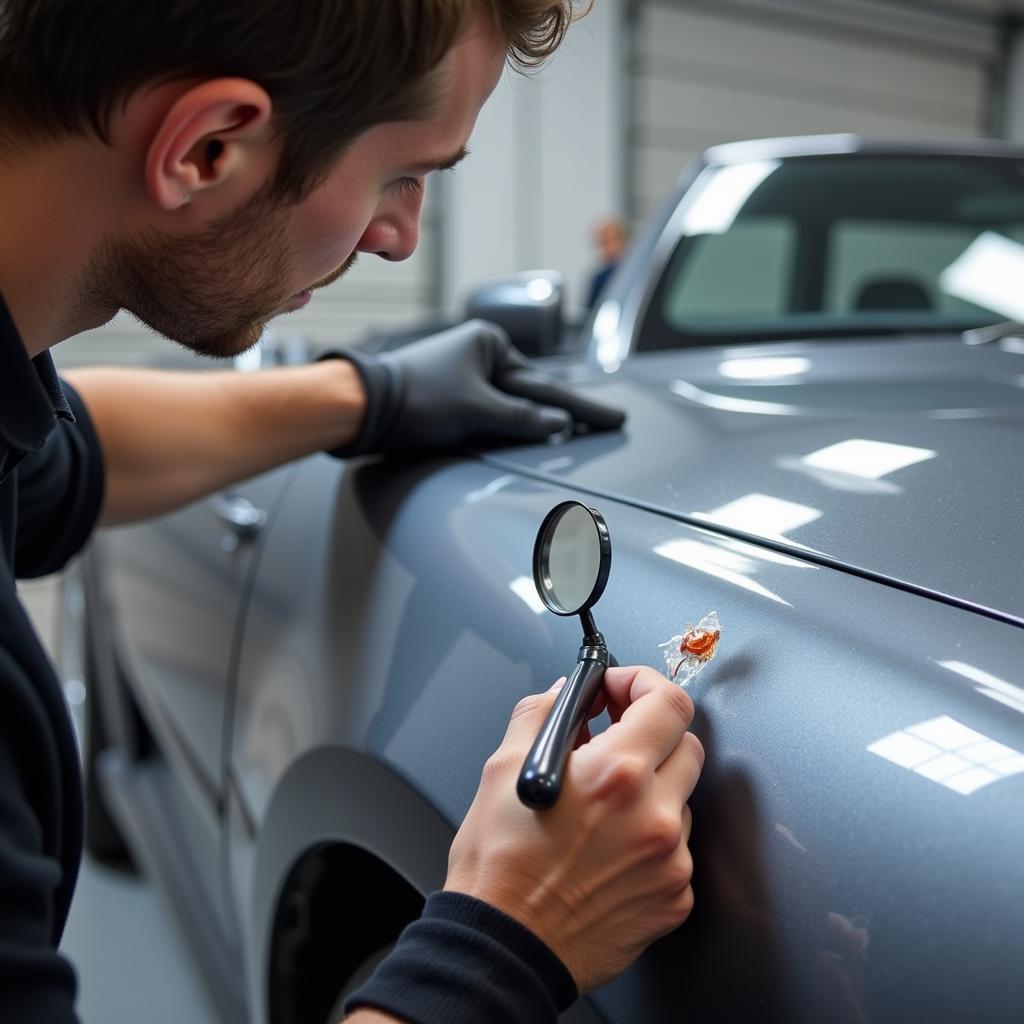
465, 384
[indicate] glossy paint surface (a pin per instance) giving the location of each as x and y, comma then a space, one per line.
843, 867
902, 458
851, 509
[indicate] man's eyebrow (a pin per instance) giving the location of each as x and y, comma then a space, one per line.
444, 164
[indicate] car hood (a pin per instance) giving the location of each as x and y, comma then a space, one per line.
899, 459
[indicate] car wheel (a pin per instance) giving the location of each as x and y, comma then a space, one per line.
340, 912
103, 838
361, 974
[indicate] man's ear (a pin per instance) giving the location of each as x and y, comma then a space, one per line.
212, 133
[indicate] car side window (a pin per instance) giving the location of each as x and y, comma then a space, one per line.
878, 266
744, 272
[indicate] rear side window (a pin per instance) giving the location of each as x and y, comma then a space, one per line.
895, 265
840, 246
744, 272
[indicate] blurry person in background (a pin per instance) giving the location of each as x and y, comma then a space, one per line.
610, 241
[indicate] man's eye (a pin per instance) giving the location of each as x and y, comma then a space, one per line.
408, 186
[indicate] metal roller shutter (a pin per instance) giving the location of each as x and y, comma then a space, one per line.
709, 72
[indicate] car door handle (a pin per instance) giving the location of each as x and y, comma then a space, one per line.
239, 515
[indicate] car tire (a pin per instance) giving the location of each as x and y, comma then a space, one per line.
359, 975
103, 838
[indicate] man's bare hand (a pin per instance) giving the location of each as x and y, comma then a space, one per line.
607, 870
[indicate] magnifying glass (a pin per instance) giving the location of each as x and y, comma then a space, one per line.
571, 560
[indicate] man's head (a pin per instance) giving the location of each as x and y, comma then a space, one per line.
269, 141
610, 239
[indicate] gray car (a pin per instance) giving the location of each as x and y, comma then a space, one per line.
293, 686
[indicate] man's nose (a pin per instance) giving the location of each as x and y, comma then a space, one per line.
394, 232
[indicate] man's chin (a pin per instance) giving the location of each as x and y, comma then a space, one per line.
224, 346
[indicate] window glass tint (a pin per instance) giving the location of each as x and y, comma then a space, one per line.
841, 245
894, 265
745, 271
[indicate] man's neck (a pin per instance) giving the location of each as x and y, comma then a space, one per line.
52, 213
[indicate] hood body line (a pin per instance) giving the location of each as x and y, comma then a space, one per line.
792, 551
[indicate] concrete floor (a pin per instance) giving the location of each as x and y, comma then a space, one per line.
131, 959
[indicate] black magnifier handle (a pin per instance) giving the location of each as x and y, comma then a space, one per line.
540, 780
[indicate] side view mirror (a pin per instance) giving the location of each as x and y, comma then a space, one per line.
529, 306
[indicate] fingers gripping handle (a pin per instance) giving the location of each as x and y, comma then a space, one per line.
540, 780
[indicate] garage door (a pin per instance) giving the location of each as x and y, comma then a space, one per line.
710, 71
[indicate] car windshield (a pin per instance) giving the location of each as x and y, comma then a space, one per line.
842, 245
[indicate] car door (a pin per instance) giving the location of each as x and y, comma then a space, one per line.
176, 588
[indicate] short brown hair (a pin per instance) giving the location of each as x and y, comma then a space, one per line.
333, 68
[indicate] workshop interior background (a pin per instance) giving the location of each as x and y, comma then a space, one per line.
640, 89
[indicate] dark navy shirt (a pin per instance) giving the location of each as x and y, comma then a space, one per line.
51, 488
597, 283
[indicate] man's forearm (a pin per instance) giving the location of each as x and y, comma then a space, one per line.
169, 438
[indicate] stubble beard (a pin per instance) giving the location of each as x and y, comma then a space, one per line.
211, 292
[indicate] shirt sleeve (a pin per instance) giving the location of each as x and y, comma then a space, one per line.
37, 985
60, 494
464, 962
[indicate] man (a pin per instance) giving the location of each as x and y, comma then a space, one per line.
204, 166
610, 243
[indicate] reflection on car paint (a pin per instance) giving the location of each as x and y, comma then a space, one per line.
612, 347
764, 367
760, 554
950, 753
728, 566
727, 403
761, 514
861, 457
857, 465
492, 488
957, 414
990, 686
523, 587
837, 480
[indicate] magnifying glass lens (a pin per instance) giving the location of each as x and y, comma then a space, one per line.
571, 558
574, 559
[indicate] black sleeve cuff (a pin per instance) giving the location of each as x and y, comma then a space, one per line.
379, 385
464, 962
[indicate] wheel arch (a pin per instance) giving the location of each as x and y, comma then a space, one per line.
324, 840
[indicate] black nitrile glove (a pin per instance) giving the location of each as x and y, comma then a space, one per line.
465, 384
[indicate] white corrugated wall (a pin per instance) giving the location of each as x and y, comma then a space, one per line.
641, 87
710, 71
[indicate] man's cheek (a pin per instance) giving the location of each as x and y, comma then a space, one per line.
326, 239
